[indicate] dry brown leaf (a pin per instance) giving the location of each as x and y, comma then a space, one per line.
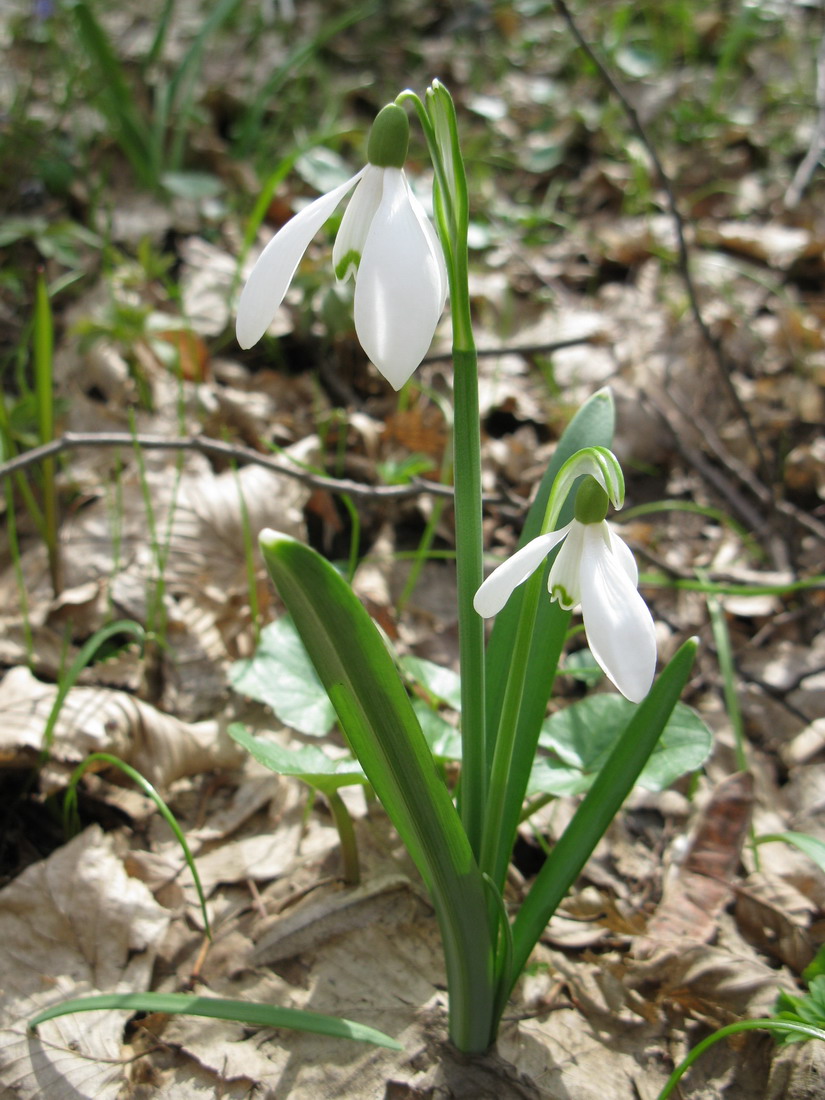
72, 925
160, 747
702, 888
775, 916
384, 901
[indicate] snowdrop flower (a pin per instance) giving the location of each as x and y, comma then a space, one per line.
594, 568
385, 240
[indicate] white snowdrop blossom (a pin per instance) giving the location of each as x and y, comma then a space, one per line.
595, 569
385, 240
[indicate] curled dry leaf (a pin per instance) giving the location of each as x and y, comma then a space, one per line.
160, 747
72, 925
703, 888
775, 916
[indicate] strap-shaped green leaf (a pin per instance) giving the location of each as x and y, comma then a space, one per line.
601, 804
376, 715
591, 426
219, 1008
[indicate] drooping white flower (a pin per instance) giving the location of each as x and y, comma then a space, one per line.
595, 569
385, 240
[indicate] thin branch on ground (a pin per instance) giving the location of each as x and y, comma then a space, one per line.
517, 349
723, 363
216, 448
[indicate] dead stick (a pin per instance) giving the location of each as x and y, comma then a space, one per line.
721, 359
201, 444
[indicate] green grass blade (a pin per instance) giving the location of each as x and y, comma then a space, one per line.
70, 803
591, 426
181, 90
776, 1027
115, 96
250, 126
601, 804
44, 395
377, 717
219, 1008
83, 658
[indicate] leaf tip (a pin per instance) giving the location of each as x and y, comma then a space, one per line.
269, 539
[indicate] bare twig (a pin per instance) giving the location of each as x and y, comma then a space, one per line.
723, 363
201, 444
516, 349
812, 158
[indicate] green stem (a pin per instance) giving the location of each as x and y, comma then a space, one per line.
346, 835
469, 573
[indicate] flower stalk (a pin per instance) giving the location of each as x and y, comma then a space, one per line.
438, 121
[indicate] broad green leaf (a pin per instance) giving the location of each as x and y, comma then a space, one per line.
442, 737
281, 675
812, 847
600, 805
591, 426
581, 737
442, 683
218, 1008
375, 713
307, 762
581, 665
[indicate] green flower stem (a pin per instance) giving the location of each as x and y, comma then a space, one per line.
346, 837
451, 209
470, 574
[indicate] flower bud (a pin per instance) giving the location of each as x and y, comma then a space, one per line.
592, 502
389, 138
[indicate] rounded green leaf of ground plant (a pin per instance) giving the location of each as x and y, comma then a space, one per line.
282, 676
308, 763
579, 739
442, 737
441, 683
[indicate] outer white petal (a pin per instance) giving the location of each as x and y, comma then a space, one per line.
617, 621
355, 224
399, 289
497, 589
270, 277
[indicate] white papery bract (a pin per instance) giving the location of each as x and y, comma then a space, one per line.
594, 568
387, 241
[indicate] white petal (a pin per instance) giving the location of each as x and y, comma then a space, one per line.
563, 582
617, 621
497, 589
355, 224
399, 288
270, 277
